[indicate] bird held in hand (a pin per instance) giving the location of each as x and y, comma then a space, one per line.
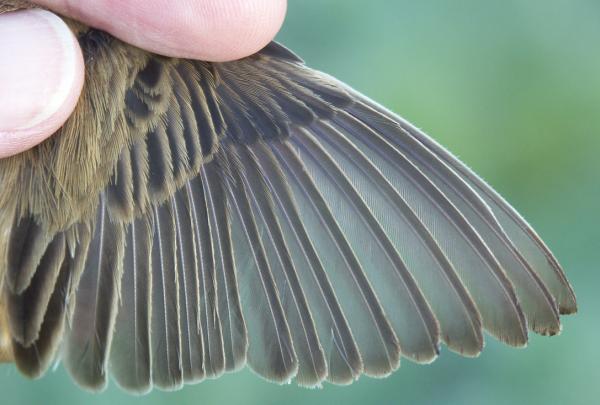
192, 218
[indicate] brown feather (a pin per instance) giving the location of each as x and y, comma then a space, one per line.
233, 196
6, 352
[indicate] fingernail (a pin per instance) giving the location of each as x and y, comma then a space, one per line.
41, 76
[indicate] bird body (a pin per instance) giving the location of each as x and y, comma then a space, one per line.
192, 217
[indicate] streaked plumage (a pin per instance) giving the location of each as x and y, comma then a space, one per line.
191, 218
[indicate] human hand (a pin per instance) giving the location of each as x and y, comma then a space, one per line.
41, 68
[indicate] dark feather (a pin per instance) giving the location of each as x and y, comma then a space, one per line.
271, 351
377, 342
455, 310
27, 244
312, 367
538, 305
90, 332
415, 324
34, 359
130, 357
188, 268
26, 310
344, 360
167, 370
235, 340
257, 212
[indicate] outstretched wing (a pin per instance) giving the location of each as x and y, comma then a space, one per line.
274, 217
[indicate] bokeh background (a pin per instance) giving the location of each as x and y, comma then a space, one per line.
513, 88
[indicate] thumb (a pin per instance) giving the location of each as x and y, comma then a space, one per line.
41, 77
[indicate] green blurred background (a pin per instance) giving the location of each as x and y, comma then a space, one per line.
513, 88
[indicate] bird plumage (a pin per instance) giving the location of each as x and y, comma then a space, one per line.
191, 217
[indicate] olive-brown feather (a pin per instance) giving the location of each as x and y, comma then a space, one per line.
260, 213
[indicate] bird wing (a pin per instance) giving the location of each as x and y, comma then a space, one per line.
270, 215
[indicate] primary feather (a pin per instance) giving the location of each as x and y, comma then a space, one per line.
191, 218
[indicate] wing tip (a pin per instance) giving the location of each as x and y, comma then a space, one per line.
90, 382
568, 304
133, 388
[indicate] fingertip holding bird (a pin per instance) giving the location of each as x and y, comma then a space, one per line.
41, 77
238, 28
210, 30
